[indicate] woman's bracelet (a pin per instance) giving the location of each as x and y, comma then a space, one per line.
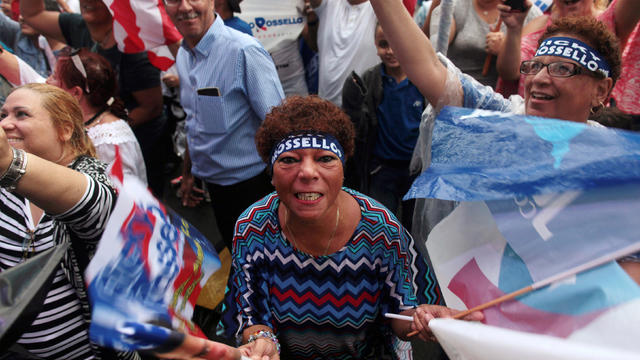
17, 168
267, 335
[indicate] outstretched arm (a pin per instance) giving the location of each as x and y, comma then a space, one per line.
45, 22
16, 71
412, 48
9, 66
52, 187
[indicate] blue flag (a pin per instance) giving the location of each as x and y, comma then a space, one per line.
481, 155
539, 197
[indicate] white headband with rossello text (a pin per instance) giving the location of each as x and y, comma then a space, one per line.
308, 140
574, 49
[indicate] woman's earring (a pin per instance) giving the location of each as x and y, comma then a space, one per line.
594, 110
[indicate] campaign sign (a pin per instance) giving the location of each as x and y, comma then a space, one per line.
274, 22
147, 274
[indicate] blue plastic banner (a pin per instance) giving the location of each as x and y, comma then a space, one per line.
487, 155
542, 201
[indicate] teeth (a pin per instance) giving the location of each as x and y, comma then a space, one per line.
308, 196
542, 96
188, 16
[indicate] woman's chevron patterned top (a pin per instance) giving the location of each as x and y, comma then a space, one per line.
325, 306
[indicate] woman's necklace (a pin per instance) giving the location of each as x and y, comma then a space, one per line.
97, 117
295, 244
485, 13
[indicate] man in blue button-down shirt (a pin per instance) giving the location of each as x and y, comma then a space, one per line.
228, 84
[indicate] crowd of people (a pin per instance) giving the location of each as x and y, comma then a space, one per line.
306, 189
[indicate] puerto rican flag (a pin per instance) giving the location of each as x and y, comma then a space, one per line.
537, 198
144, 25
147, 273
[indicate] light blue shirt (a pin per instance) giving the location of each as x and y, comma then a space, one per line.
221, 129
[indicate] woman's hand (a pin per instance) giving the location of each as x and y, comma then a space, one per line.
191, 195
514, 19
495, 39
260, 349
6, 152
198, 348
171, 80
425, 313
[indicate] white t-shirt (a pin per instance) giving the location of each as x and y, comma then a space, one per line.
345, 44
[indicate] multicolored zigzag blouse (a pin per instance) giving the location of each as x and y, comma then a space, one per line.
326, 306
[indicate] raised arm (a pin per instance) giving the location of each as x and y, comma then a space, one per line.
434, 25
508, 61
45, 22
412, 48
427, 20
9, 66
16, 71
627, 14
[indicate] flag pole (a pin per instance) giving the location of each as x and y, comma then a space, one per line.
487, 60
635, 247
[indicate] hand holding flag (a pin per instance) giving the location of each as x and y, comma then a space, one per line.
539, 199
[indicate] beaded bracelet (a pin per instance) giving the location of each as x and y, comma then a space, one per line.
267, 335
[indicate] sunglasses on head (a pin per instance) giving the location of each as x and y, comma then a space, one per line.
74, 55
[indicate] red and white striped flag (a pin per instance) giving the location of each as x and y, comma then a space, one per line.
144, 25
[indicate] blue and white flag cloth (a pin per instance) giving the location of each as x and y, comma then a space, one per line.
538, 197
147, 273
480, 155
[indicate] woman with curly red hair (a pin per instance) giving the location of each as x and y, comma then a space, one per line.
315, 265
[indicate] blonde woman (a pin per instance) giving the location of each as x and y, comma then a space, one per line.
52, 191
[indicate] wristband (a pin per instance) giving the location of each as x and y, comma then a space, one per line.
17, 168
267, 335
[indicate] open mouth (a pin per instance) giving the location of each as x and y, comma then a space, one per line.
308, 196
541, 96
187, 16
570, 2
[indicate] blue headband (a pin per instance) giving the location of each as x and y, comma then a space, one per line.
574, 49
307, 140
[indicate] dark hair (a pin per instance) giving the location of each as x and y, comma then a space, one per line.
616, 118
301, 114
594, 33
101, 80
